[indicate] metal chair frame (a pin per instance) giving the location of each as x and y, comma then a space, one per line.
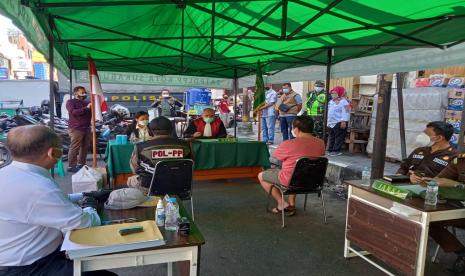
152, 170
287, 191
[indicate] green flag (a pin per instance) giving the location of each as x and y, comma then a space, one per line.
259, 97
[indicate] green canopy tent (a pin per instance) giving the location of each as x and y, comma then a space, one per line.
225, 38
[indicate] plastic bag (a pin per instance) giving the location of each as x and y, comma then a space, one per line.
87, 179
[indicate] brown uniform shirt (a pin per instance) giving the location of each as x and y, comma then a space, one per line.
455, 170
421, 160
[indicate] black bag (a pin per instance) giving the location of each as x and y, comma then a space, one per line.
285, 108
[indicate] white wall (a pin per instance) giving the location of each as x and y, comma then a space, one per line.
298, 87
32, 92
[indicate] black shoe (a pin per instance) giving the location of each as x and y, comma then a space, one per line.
459, 266
80, 166
73, 169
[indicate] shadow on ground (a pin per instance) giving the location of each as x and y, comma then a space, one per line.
243, 239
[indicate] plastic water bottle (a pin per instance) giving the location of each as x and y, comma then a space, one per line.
366, 176
171, 220
160, 214
176, 205
431, 197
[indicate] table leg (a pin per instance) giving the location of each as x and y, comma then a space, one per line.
347, 242
170, 269
195, 261
77, 268
198, 259
421, 258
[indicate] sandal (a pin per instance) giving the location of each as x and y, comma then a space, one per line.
288, 211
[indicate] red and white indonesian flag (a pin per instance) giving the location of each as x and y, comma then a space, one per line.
97, 92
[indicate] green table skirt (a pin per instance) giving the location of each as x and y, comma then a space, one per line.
208, 154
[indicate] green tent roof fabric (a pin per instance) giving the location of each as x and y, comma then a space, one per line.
212, 38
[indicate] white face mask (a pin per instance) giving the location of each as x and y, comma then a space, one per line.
423, 140
165, 95
286, 90
334, 96
208, 120
318, 89
143, 122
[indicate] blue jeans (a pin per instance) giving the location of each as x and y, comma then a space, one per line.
286, 127
268, 125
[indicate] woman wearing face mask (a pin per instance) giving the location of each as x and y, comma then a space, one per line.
138, 130
433, 155
338, 117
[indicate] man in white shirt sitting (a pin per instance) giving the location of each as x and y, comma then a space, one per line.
34, 212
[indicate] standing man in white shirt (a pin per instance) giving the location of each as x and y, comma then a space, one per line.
269, 115
34, 212
338, 119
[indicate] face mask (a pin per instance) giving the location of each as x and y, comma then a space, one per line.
165, 95
143, 122
226, 97
208, 120
286, 90
423, 140
267, 88
334, 96
82, 97
293, 133
318, 89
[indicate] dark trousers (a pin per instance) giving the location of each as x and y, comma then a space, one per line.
80, 143
53, 264
286, 127
336, 138
441, 235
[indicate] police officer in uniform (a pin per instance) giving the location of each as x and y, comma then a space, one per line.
434, 154
163, 146
315, 107
452, 176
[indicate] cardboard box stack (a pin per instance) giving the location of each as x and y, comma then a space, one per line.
454, 111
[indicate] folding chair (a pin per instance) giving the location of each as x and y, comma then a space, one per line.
308, 177
172, 177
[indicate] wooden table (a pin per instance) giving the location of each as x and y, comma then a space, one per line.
397, 240
177, 248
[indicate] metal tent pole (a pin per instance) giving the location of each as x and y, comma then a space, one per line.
328, 79
70, 83
400, 105
51, 104
236, 87
461, 146
381, 127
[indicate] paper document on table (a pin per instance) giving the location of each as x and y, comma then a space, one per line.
106, 239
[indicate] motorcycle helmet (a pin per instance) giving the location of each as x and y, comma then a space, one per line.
120, 111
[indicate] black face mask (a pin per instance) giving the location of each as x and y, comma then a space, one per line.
267, 88
82, 97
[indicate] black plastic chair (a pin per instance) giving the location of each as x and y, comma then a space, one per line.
173, 177
308, 177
